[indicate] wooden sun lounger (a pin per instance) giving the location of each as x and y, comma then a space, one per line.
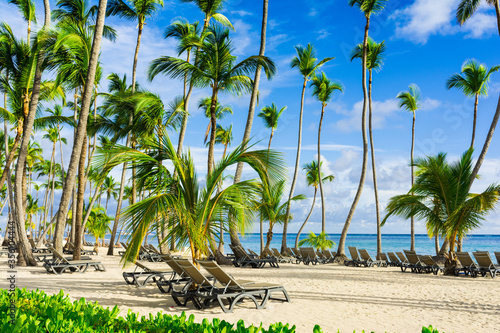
430, 264
329, 256
178, 276
367, 259
60, 264
235, 291
309, 256
355, 259
141, 272
467, 265
280, 257
242, 259
497, 255
404, 261
414, 262
486, 265
393, 260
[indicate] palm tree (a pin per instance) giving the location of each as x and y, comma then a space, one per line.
110, 187
374, 61
220, 112
312, 178
272, 208
307, 65
270, 115
215, 68
368, 7
473, 83
466, 8
441, 196
27, 9
198, 209
98, 224
410, 100
81, 134
319, 242
323, 89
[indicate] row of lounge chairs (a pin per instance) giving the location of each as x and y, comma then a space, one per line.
202, 291
147, 252
483, 266
59, 264
361, 257
244, 259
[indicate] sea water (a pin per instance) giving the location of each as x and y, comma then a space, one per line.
390, 242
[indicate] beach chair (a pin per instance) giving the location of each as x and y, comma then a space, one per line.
467, 264
60, 264
413, 262
147, 254
308, 255
485, 264
368, 260
178, 275
322, 258
404, 261
384, 257
355, 259
430, 264
497, 255
34, 249
142, 275
253, 254
329, 256
83, 251
243, 259
296, 255
280, 257
393, 260
124, 246
234, 291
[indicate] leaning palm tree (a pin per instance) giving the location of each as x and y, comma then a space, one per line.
312, 178
368, 7
410, 100
216, 68
307, 64
374, 61
473, 82
441, 196
466, 8
270, 115
323, 89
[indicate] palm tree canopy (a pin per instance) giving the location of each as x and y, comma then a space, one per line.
270, 115
221, 111
211, 8
368, 6
312, 176
323, 87
188, 34
223, 135
374, 54
27, 8
133, 10
466, 8
271, 207
306, 60
474, 78
320, 241
410, 100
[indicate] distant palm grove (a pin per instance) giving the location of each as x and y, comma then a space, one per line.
159, 193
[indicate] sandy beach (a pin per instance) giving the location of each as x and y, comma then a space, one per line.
334, 296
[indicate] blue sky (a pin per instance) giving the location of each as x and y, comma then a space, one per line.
424, 46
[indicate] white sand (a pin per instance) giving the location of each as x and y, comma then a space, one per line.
331, 295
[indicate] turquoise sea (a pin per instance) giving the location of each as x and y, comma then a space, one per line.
390, 242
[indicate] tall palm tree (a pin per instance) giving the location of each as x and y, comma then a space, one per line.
465, 11
323, 89
466, 8
221, 111
374, 61
270, 115
410, 100
98, 224
441, 196
368, 7
215, 68
27, 9
473, 82
110, 187
307, 64
312, 178
81, 134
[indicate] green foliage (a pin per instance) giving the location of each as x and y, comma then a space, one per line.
39, 312
429, 329
321, 241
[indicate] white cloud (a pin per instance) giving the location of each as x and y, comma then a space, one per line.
313, 12
241, 13
381, 111
480, 25
323, 33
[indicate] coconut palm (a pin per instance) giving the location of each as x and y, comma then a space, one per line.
109, 186
410, 100
198, 209
473, 82
98, 224
374, 61
466, 8
307, 64
270, 115
367, 7
312, 178
323, 89
81, 134
27, 9
319, 242
441, 196
221, 111
215, 68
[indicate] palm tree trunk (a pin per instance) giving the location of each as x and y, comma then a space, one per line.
323, 215
412, 244
81, 132
25, 253
269, 237
474, 122
79, 200
436, 243
497, 10
118, 210
296, 171
213, 122
251, 110
10, 155
307, 219
343, 235
374, 169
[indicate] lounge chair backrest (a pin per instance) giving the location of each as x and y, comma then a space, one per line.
497, 255
383, 256
144, 267
276, 253
427, 259
365, 255
327, 254
483, 259
296, 251
412, 257
173, 264
393, 257
465, 259
193, 272
401, 256
308, 252
216, 271
58, 255
354, 252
